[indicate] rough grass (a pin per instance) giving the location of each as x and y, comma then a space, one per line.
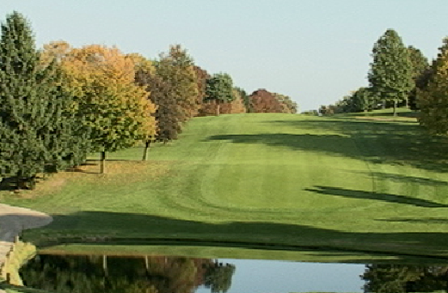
269, 181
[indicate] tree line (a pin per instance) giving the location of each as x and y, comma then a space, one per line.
60, 103
402, 76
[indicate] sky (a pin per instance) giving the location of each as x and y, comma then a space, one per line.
315, 51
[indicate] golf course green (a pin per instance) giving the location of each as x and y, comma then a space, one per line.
343, 186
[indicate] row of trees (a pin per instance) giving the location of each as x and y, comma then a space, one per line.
396, 77
60, 103
402, 75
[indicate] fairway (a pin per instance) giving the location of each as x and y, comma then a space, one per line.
278, 181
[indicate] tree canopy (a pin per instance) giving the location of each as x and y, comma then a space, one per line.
391, 71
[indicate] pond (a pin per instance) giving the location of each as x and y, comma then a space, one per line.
168, 274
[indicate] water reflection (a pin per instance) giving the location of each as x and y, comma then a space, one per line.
162, 274
86, 274
405, 278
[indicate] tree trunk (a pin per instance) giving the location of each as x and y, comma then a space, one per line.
105, 270
395, 108
103, 162
218, 106
146, 150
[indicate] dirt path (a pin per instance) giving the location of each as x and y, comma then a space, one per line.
12, 221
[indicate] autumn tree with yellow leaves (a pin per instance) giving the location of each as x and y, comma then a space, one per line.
117, 110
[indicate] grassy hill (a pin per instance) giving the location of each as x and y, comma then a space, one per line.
339, 188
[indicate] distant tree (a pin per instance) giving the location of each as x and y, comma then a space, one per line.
201, 81
38, 128
390, 74
115, 108
310, 113
263, 101
245, 98
433, 98
289, 106
420, 67
177, 68
237, 105
363, 99
219, 89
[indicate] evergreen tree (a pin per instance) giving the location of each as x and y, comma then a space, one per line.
391, 70
35, 133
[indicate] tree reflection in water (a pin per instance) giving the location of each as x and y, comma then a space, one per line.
146, 274
384, 278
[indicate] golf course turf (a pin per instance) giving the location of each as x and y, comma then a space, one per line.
345, 185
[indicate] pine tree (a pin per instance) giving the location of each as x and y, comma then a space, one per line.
390, 75
36, 133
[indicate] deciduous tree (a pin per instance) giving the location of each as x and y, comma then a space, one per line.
420, 67
390, 74
433, 99
262, 101
115, 108
219, 89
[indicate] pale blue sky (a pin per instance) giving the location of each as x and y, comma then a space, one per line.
315, 51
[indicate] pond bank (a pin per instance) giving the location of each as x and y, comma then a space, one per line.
13, 220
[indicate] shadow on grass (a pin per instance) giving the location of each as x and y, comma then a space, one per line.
405, 178
111, 228
377, 142
385, 197
423, 221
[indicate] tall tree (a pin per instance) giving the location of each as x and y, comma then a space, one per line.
390, 74
219, 89
116, 109
38, 128
420, 67
177, 69
433, 98
201, 80
174, 90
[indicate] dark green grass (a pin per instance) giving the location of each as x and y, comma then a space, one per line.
271, 182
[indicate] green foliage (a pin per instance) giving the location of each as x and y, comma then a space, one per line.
385, 278
219, 88
433, 98
420, 68
39, 131
391, 71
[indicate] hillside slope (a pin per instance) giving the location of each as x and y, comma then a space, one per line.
255, 180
